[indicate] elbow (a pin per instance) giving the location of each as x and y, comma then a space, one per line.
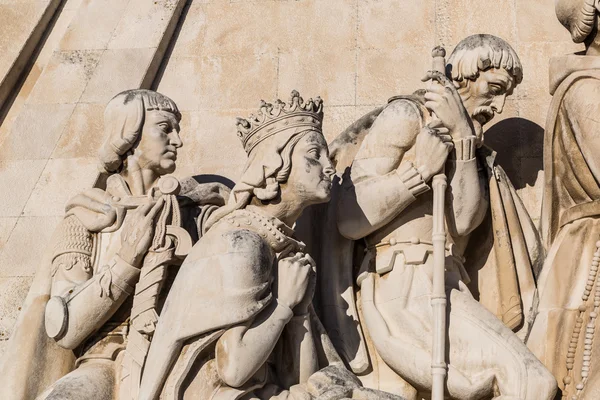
348, 229
464, 228
231, 375
230, 367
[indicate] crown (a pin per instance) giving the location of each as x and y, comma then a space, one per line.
275, 118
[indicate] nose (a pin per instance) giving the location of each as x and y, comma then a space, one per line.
498, 103
175, 139
328, 170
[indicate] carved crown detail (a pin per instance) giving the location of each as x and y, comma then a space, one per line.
274, 118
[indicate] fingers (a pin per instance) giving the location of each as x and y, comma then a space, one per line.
156, 209
438, 77
436, 124
144, 209
433, 96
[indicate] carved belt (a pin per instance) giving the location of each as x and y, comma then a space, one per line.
415, 252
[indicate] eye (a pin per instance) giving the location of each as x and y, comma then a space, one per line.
164, 126
314, 152
496, 89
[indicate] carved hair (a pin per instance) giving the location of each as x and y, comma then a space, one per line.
578, 16
478, 53
266, 191
123, 122
271, 189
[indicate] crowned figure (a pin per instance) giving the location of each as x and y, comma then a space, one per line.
239, 322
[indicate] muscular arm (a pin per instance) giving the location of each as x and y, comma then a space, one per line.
382, 184
466, 197
242, 350
82, 301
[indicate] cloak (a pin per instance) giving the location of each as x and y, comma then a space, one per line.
503, 257
570, 224
33, 361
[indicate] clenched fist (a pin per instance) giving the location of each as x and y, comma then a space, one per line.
138, 232
432, 148
293, 279
443, 99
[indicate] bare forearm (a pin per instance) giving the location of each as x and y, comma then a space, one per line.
373, 202
466, 196
89, 305
301, 340
240, 352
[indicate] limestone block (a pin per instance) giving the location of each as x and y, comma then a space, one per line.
464, 18
84, 133
336, 119
17, 179
144, 23
380, 74
331, 74
27, 246
207, 138
221, 82
545, 26
114, 73
190, 37
378, 23
23, 24
104, 16
12, 294
7, 224
36, 131
65, 77
61, 179
269, 26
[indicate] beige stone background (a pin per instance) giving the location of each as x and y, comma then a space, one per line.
61, 61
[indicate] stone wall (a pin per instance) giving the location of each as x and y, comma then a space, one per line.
217, 59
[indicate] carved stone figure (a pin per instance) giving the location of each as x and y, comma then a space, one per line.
238, 321
385, 199
99, 296
563, 335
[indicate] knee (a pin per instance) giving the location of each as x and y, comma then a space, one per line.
541, 383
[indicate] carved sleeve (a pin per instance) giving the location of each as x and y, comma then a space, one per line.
466, 201
579, 115
82, 301
381, 184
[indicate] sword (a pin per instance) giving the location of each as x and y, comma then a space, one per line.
438, 298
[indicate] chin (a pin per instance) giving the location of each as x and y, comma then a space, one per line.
167, 167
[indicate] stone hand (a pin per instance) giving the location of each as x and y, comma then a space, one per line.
137, 233
293, 280
443, 99
302, 307
432, 149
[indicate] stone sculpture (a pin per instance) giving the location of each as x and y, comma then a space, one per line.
100, 295
385, 200
238, 322
563, 335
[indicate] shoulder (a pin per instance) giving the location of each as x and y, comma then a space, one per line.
226, 239
396, 127
583, 91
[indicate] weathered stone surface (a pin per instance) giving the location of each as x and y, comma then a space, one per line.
18, 178
23, 25
61, 179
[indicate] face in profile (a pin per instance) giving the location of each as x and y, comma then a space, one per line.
310, 176
159, 142
485, 96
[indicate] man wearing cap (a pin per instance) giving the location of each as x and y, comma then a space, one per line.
563, 334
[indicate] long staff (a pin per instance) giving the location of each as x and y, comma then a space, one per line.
438, 298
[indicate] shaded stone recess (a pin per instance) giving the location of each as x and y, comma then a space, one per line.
215, 59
